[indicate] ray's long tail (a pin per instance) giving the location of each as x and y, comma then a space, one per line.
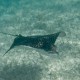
8, 34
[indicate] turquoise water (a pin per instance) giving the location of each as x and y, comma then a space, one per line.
40, 17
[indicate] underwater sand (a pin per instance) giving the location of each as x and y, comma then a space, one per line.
40, 17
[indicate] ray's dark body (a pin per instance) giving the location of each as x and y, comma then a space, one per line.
42, 42
45, 42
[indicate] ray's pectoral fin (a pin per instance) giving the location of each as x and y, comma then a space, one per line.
7, 51
15, 43
62, 34
12, 46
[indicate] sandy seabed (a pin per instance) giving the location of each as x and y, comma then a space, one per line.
40, 17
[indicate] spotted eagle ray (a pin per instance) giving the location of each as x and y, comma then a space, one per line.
45, 42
